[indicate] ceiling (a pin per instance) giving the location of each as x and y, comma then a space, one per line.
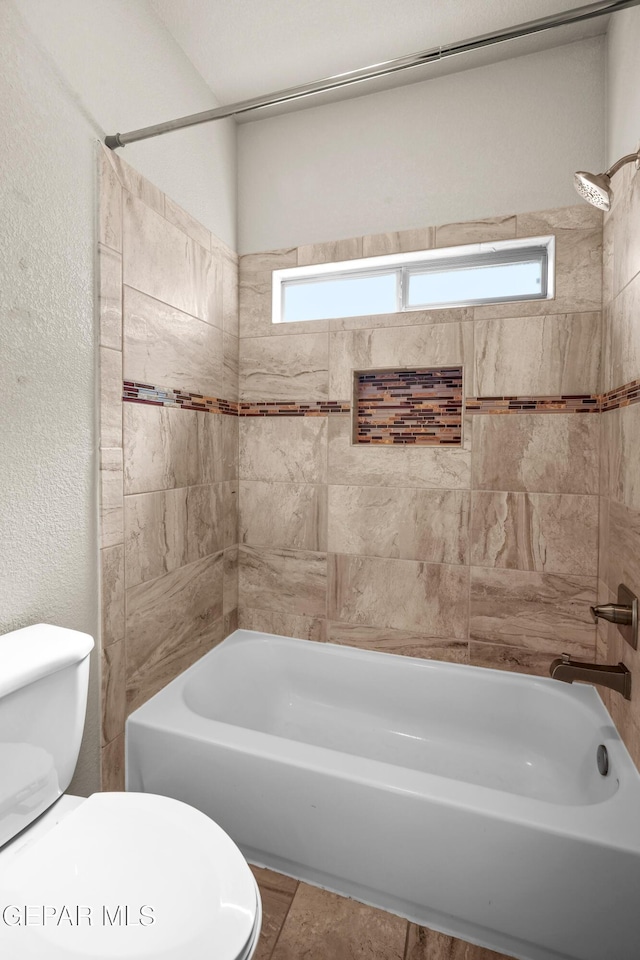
246, 48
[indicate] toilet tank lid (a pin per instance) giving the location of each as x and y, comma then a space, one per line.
34, 652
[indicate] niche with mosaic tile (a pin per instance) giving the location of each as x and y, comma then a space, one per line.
421, 406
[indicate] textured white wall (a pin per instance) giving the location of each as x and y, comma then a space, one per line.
499, 139
623, 84
126, 71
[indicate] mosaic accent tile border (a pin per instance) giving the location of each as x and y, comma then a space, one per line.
441, 409
156, 396
421, 406
571, 403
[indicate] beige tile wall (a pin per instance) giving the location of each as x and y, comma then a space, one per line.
620, 472
168, 303
485, 553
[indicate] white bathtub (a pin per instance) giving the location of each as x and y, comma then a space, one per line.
465, 799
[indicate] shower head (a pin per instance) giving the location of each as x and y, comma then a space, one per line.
595, 188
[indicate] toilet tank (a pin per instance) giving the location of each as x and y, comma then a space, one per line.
44, 676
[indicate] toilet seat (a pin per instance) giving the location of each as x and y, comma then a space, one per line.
187, 890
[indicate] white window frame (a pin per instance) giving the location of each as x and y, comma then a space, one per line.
471, 254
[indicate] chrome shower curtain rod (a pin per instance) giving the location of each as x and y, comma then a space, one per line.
434, 55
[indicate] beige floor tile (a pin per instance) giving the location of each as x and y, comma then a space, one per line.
424, 944
323, 926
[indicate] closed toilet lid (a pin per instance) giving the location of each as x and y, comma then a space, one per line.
128, 875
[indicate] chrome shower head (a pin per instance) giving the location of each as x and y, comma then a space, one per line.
595, 188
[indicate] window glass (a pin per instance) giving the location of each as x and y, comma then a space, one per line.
348, 296
493, 282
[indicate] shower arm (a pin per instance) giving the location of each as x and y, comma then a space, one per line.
387, 68
630, 157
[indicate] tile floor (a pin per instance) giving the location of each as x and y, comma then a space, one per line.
301, 922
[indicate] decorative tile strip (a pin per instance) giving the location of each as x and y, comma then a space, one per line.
285, 408
419, 406
621, 396
567, 403
146, 393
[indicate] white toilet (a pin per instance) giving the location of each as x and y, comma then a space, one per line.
117, 875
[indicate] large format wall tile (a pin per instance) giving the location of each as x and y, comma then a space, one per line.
168, 348
398, 522
110, 297
621, 442
113, 691
626, 235
408, 318
112, 586
111, 499
623, 548
110, 212
285, 368
281, 623
537, 355
110, 398
403, 241
555, 453
538, 611
288, 515
424, 346
284, 581
622, 337
177, 271
551, 533
179, 217
170, 622
255, 271
404, 642
403, 594
160, 447
333, 251
283, 448
475, 231
362, 464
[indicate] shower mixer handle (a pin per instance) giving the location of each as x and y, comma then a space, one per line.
613, 612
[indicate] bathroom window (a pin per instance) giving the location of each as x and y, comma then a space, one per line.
476, 273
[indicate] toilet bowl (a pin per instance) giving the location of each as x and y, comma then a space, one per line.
117, 875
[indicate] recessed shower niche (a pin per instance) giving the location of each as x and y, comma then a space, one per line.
421, 406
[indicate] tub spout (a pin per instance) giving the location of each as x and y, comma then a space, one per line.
616, 677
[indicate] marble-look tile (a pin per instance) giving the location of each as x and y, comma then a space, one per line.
627, 725
110, 202
215, 295
403, 594
362, 464
622, 428
554, 453
110, 297
292, 516
537, 611
626, 235
550, 533
607, 258
425, 944
155, 529
255, 282
185, 222
228, 266
230, 369
578, 262
408, 318
111, 498
403, 642
322, 925
282, 624
623, 555
285, 368
500, 656
112, 765
403, 241
423, 346
137, 185
333, 251
112, 587
110, 398
400, 523
217, 447
113, 691
171, 622
168, 348
476, 231
283, 581
161, 449
283, 448
176, 272
537, 355
230, 623
622, 337
230, 580
276, 893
